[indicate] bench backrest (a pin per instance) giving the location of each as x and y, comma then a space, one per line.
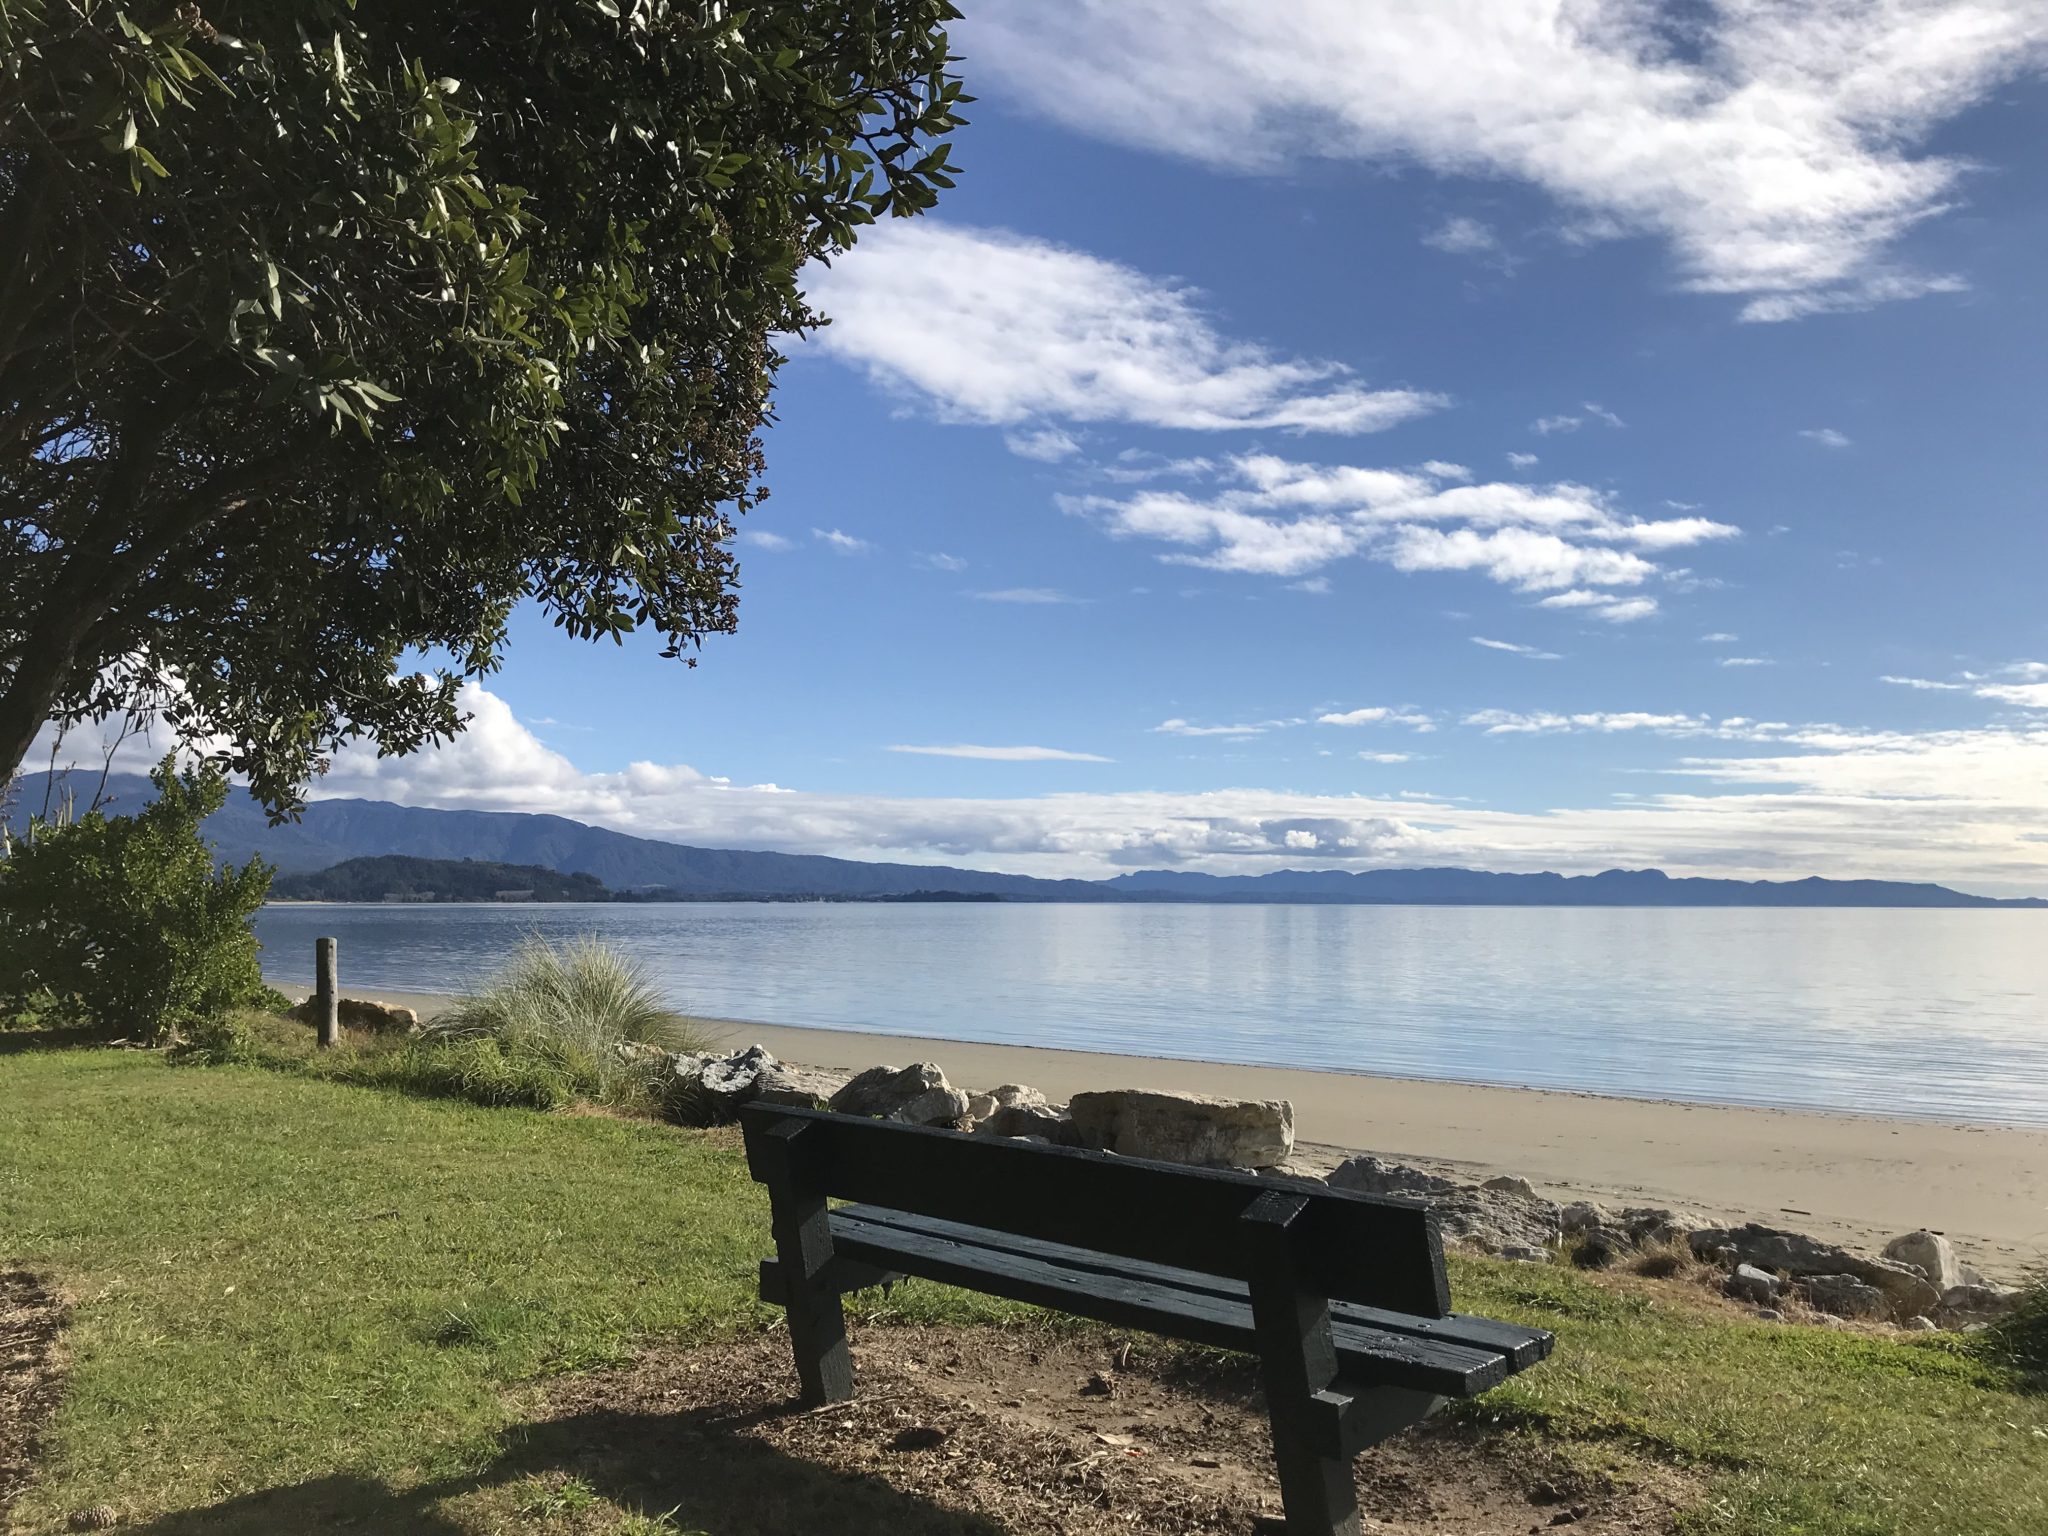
1377, 1251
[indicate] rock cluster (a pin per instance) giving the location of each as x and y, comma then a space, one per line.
1916, 1283
362, 1013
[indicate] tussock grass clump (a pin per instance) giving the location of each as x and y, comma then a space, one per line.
560, 1022
2020, 1338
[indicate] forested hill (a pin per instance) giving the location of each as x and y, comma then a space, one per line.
335, 831
397, 877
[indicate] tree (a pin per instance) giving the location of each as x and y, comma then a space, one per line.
125, 919
330, 332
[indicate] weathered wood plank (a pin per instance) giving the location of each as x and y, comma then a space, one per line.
1366, 1356
1377, 1251
1522, 1346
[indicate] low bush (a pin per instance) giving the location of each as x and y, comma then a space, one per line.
2020, 1338
124, 921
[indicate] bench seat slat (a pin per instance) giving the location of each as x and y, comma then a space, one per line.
1366, 1354
1522, 1347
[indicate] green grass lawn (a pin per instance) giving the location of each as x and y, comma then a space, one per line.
281, 1280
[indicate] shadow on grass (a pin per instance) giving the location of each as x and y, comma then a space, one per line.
698, 1467
19, 1042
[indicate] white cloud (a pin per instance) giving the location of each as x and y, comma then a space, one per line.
1180, 727
1522, 460
1719, 638
1927, 684
1001, 329
842, 543
1379, 714
1546, 426
1319, 585
1007, 754
1280, 517
2027, 695
1442, 470
1968, 807
1033, 596
1774, 147
1747, 661
761, 538
1827, 437
1602, 605
1048, 445
1462, 236
939, 560
1530, 651
1517, 557
1387, 757
1503, 722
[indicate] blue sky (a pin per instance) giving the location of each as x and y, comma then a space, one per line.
1491, 433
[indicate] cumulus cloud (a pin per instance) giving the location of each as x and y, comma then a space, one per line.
1006, 754
761, 538
1775, 149
1280, 517
1000, 329
1522, 460
1962, 806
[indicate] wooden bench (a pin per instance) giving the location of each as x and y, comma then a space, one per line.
1342, 1297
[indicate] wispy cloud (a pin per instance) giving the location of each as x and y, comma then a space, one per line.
761, 538
1522, 460
1037, 596
1387, 757
1006, 754
1048, 445
1747, 661
1002, 329
841, 543
1534, 653
1379, 714
1775, 149
1926, 684
1604, 606
1180, 727
1504, 722
1827, 437
939, 560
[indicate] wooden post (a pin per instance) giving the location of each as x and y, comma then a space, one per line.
1298, 1361
803, 1249
326, 992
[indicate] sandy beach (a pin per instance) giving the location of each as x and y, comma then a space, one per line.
1851, 1178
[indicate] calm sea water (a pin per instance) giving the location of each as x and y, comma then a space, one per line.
1935, 1014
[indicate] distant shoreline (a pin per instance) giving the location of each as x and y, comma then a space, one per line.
1842, 1175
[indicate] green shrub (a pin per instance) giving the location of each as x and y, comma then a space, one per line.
125, 920
2020, 1338
573, 1012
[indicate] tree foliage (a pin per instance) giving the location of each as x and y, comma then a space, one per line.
125, 920
329, 332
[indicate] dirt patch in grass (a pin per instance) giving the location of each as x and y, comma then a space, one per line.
31, 1375
1019, 1432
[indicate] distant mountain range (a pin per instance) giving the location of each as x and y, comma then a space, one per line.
334, 831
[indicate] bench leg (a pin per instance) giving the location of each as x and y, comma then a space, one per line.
1297, 1363
803, 1249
